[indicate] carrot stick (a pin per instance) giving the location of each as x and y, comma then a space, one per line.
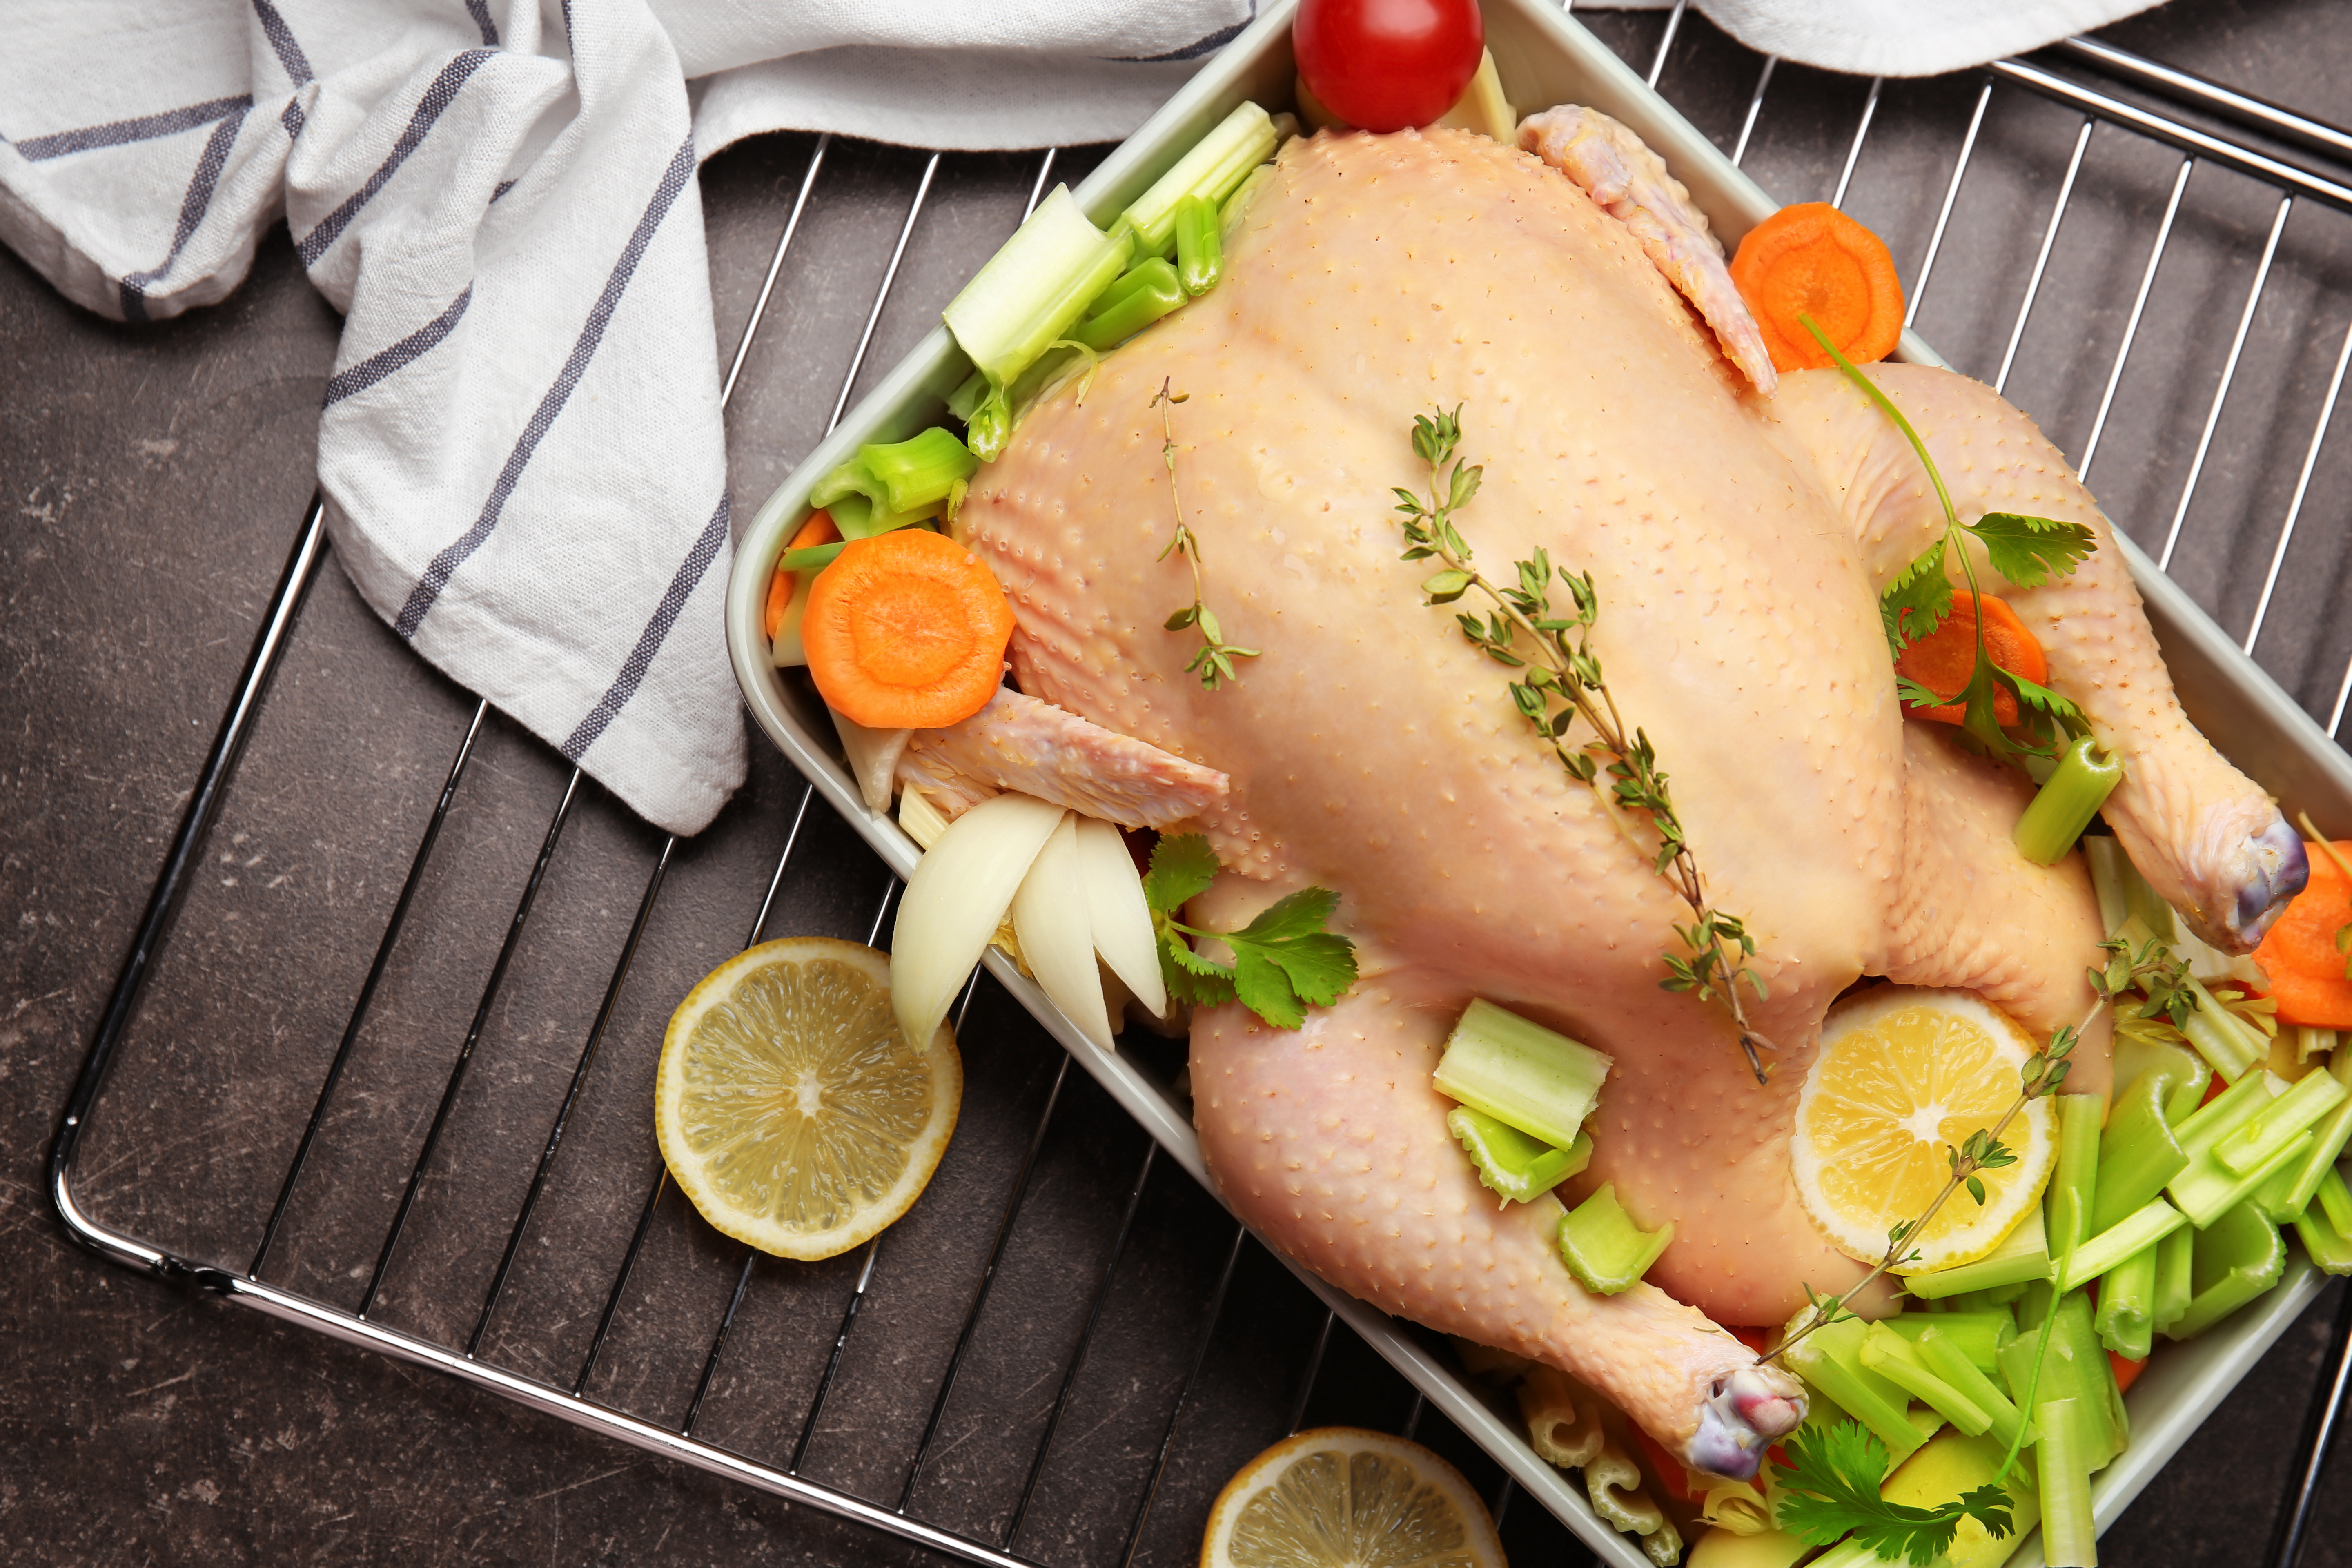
1812, 258
1943, 660
906, 630
818, 529
2299, 953
2126, 1372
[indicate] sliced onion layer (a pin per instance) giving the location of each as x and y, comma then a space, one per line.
956, 899
1120, 920
1049, 918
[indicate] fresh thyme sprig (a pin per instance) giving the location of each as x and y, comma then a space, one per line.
2027, 551
2162, 978
1215, 663
1563, 684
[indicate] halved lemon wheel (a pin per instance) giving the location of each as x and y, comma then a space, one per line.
1339, 1497
1903, 1075
789, 1105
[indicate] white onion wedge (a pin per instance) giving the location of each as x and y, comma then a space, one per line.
959, 893
1049, 919
873, 760
1120, 920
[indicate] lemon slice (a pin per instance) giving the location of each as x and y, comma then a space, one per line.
789, 1105
1340, 1498
1903, 1075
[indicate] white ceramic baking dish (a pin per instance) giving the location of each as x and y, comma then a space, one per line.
1545, 58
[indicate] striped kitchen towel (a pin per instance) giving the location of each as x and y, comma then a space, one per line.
520, 445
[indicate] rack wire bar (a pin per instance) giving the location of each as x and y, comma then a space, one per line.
1666, 42
2042, 257
1176, 1411
2318, 1434
2302, 487
2256, 113
2131, 325
1944, 212
881, 295
2229, 374
1861, 135
1754, 107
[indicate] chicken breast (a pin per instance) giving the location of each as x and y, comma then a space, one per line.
1739, 544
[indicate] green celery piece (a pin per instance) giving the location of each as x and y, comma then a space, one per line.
1230, 212
1200, 248
2224, 1113
2108, 863
1978, 1335
2139, 1152
1213, 170
1521, 1073
2148, 906
846, 479
1511, 1162
965, 400
2175, 1265
1896, 1360
2126, 1312
2150, 1224
1947, 1360
2260, 1137
2077, 1367
2232, 1046
2336, 1199
2063, 1463
2074, 1188
2236, 1258
1604, 1249
920, 471
2182, 1072
814, 557
2000, 1295
1830, 1358
2023, 1259
2295, 1190
2322, 1243
1153, 293
2205, 1190
2087, 773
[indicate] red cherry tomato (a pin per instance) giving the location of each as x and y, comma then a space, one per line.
1384, 65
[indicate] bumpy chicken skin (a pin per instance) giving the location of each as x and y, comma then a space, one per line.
1737, 543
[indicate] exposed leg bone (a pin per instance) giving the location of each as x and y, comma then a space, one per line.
1632, 185
1332, 1144
2208, 838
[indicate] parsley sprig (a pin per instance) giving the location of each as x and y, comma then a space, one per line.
1283, 961
1833, 1478
1214, 662
1564, 684
2027, 551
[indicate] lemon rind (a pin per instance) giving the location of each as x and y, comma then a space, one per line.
1484, 1545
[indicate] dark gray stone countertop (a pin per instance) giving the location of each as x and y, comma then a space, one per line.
150, 483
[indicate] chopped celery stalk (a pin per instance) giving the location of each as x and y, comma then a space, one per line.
1229, 215
1830, 1358
2087, 773
2310, 1042
2336, 1199
1984, 1300
2322, 1242
2127, 1314
2139, 1152
1947, 1360
1200, 249
1895, 1358
966, 397
2024, 1257
2183, 1072
1980, 1334
843, 480
1025, 298
2075, 1367
1521, 1073
2062, 1465
2148, 906
2334, 1130
1604, 1249
1217, 163
1510, 1162
2108, 863
2073, 1190
1145, 295
2271, 1196
2260, 1137
2232, 1046
2225, 1113
2149, 1225
2206, 1189
2175, 1265
920, 471
815, 557
2236, 1258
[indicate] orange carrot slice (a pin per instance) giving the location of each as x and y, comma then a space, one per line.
1943, 660
906, 630
2126, 1372
2299, 954
1812, 258
818, 529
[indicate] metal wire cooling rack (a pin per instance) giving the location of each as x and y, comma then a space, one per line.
2204, 124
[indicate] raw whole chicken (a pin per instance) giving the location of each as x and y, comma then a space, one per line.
1739, 541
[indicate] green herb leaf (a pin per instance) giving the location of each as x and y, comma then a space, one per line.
1183, 867
1916, 603
1832, 1492
1283, 961
2031, 550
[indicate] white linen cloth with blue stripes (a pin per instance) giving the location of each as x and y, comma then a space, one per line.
520, 446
